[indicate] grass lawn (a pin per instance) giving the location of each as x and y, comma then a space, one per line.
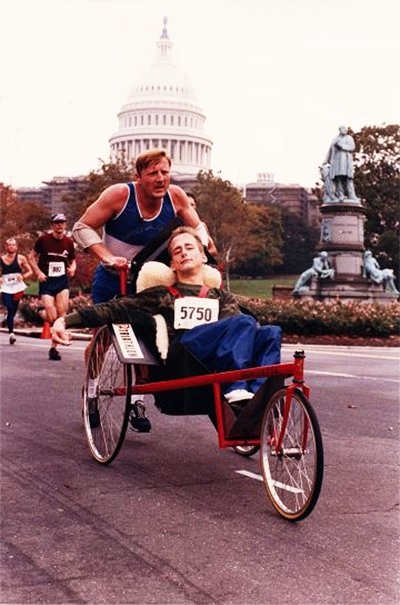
253, 288
32, 288
260, 288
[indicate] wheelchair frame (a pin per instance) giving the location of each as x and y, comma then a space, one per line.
279, 420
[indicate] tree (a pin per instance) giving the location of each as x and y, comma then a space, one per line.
262, 250
221, 206
377, 181
299, 243
22, 220
248, 236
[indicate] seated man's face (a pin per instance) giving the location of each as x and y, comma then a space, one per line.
186, 256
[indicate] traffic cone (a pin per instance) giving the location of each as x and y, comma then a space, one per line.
46, 333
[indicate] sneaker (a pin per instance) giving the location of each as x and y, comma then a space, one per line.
12, 338
54, 355
138, 419
238, 395
94, 415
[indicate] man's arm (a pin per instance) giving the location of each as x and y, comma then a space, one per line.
136, 310
71, 269
183, 207
33, 259
26, 268
108, 205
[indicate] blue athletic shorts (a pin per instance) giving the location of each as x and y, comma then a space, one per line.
105, 285
53, 285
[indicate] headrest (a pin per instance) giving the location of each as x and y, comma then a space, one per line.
154, 273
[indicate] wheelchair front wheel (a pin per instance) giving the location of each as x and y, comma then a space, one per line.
293, 473
106, 411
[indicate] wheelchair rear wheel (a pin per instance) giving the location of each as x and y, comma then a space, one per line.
292, 474
106, 400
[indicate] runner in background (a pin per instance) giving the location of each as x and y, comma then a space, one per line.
15, 270
53, 262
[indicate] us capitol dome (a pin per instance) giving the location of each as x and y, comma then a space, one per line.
162, 111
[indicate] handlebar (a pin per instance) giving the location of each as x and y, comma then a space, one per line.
123, 279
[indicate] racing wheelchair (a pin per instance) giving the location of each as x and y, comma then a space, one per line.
279, 420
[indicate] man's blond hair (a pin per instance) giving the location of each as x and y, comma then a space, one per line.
151, 156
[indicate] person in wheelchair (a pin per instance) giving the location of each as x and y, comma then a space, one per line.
207, 321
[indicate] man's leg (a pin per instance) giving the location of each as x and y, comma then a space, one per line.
11, 305
224, 345
50, 309
267, 350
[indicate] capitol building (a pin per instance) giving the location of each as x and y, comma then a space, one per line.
162, 111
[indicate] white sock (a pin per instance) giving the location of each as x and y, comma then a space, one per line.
92, 387
135, 398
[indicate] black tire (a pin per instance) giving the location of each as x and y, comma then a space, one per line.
105, 440
246, 450
292, 477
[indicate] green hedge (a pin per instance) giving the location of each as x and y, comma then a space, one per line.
295, 317
345, 319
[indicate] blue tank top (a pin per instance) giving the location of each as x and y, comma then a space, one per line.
126, 234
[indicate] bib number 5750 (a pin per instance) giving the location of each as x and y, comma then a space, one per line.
191, 311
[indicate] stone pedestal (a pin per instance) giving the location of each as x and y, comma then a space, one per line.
342, 236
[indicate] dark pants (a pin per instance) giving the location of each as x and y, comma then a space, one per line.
12, 307
235, 343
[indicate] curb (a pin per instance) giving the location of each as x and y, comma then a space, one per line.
37, 332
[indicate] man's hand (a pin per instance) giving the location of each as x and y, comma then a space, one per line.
41, 276
117, 262
59, 332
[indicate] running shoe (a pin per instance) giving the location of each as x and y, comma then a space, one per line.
54, 355
12, 338
94, 415
138, 419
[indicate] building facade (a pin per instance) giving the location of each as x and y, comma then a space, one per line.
294, 198
52, 194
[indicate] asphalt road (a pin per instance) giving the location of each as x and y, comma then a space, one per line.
171, 521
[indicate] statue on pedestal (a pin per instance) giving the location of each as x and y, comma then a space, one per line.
320, 268
337, 170
372, 270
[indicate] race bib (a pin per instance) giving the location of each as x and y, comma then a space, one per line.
10, 279
191, 311
11, 283
56, 269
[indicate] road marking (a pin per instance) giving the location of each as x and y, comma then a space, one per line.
288, 488
378, 355
251, 475
340, 375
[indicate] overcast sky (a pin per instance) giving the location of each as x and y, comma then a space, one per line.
275, 78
